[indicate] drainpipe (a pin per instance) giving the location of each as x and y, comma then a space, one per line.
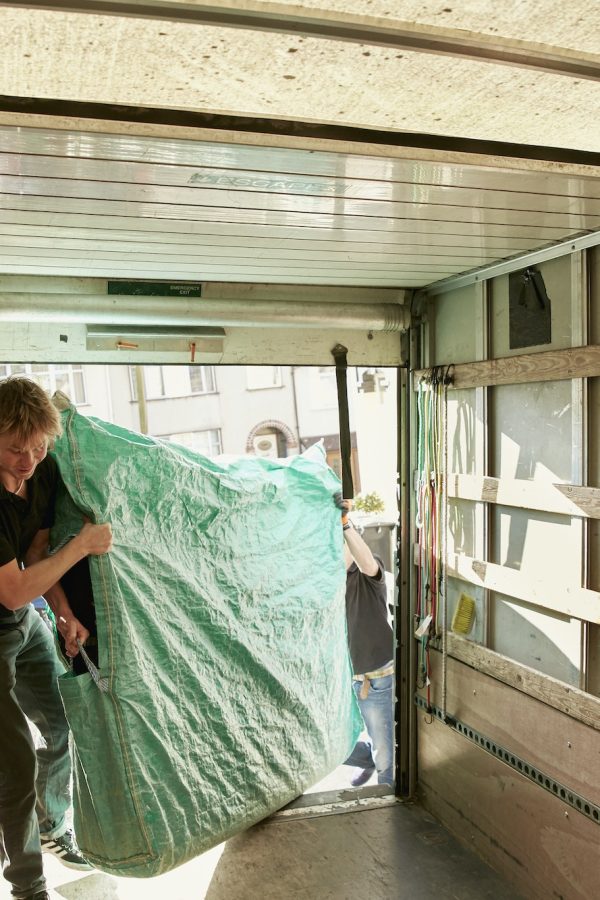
297, 420
140, 389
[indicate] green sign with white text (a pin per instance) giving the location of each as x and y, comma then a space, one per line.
155, 288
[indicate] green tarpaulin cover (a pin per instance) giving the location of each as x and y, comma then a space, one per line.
225, 677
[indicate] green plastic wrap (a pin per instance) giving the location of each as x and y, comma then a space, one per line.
225, 677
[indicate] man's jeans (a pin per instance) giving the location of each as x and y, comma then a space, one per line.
34, 786
378, 712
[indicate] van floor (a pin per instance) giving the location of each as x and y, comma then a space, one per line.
393, 851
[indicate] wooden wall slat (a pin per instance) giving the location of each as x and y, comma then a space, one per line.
540, 844
564, 697
555, 744
550, 365
565, 499
576, 602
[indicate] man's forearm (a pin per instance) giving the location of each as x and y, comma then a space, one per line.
360, 552
41, 576
57, 600
73, 632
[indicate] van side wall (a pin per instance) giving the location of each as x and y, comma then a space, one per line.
516, 772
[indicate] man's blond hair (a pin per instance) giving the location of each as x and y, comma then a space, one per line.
26, 409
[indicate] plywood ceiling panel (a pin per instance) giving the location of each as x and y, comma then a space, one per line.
178, 65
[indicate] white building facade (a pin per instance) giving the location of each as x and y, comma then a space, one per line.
274, 411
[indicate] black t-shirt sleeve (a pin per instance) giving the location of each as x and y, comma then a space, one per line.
20, 521
10, 529
9, 545
379, 578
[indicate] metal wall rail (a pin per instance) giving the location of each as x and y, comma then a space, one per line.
514, 264
520, 765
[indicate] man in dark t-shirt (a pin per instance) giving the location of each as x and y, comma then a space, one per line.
371, 643
34, 784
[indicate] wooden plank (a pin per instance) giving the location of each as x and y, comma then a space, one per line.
565, 499
586, 499
554, 693
530, 836
550, 365
577, 602
551, 741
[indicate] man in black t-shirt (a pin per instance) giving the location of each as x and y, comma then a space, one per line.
371, 642
34, 785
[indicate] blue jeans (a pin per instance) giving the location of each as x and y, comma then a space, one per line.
378, 712
34, 785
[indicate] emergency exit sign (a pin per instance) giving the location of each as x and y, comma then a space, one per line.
155, 288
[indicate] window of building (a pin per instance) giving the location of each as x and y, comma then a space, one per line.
207, 442
174, 381
323, 388
202, 379
154, 382
66, 378
258, 378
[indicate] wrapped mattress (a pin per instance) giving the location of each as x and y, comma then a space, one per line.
223, 687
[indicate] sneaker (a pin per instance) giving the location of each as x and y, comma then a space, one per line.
65, 849
362, 776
